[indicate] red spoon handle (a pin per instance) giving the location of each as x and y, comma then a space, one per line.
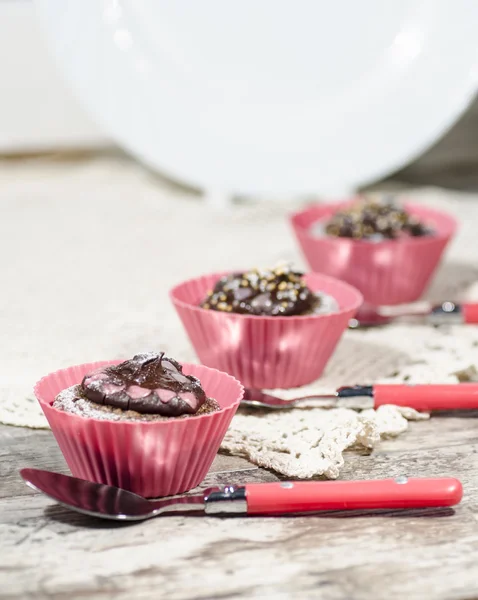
311, 496
428, 397
470, 313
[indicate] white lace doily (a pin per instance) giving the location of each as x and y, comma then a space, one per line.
89, 251
308, 443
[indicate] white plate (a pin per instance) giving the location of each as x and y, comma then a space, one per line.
38, 111
269, 96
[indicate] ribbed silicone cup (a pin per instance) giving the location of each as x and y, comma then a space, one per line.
265, 352
155, 458
387, 273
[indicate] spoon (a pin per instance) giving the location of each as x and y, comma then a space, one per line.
446, 312
421, 397
108, 502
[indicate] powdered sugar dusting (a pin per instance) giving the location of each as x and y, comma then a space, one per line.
327, 304
73, 401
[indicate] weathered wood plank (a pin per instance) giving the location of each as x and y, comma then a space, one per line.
50, 552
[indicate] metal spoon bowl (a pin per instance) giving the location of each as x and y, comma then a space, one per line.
104, 501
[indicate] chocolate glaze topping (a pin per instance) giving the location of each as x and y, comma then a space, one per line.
277, 292
371, 219
148, 383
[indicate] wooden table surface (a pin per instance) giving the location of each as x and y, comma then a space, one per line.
49, 552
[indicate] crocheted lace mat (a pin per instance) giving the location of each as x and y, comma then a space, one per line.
90, 250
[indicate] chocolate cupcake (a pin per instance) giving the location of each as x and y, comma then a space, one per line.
375, 220
256, 338
148, 387
148, 425
278, 292
388, 252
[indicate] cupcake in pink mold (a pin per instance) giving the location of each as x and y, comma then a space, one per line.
149, 424
388, 251
270, 328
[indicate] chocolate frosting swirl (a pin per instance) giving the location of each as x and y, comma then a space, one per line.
371, 219
277, 292
147, 383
